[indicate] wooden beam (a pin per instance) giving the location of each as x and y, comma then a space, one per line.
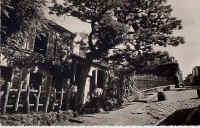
18, 96
54, 100
14, 90
34, 91
38, 98
6, 97
48, 99
9, 85
61, 99
49, 79
10, 106
27, 109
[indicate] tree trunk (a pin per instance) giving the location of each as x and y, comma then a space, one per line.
81, 85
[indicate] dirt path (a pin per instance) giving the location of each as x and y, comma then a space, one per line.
124, 116
133, 113
127, 115
176, 99
140, 113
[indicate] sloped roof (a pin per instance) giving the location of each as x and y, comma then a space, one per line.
51, 25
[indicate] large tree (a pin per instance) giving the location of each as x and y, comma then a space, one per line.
151, 24
121, 29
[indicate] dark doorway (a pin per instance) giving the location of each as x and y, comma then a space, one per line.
5, 73
41, 41
100, 79
36, 80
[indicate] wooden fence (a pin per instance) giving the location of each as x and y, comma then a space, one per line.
24, 98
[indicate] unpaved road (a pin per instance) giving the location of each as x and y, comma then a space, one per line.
176, 99
140, 113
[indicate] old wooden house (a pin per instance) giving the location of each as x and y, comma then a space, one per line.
46, 86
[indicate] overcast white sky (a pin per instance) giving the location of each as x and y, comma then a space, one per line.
188, 55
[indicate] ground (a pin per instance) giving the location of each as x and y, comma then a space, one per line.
147, 111
144, 113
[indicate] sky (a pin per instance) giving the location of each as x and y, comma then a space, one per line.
188, 55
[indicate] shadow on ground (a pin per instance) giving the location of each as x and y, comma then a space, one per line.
183, 117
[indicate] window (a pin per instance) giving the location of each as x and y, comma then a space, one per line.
41, 41
5, 73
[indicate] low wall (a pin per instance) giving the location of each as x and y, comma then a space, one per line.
146, 81
146, 84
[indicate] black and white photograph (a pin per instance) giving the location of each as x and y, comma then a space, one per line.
100, 63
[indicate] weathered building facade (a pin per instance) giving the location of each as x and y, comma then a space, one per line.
52, 68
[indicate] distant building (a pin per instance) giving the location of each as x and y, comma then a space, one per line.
195, 79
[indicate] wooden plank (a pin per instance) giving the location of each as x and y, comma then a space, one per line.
9, 106
48, 99
31, 105
40, 104
22, 105
27, 80
24, 90
27, 109
54, 100
33, 90
49, 79
14, 90
6, 97
9, 85
18, 96
38, 98
61, 99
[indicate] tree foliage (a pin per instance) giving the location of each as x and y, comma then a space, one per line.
121, 30
137, 25
147, 62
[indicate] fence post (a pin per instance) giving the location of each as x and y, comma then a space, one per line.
38, 98
61, 99
6, 97
54, 100
48, 93
9, 85
27, 107
18, 96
